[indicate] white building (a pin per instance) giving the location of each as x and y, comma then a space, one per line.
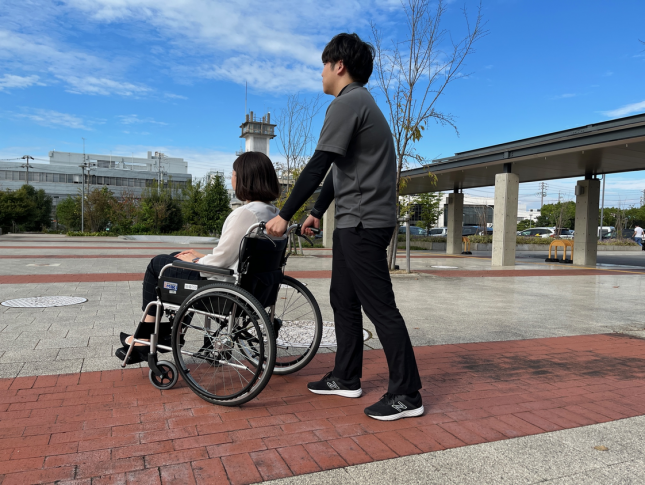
63, 175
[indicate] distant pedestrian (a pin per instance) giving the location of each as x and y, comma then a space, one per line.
638, 235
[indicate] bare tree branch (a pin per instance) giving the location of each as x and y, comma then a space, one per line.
415, 71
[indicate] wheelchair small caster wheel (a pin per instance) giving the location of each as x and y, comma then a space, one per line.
169, 377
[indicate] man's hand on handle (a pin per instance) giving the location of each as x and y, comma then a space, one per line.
311, 221
277, 226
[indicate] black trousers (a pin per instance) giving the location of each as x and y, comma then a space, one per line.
360, 278
150, 282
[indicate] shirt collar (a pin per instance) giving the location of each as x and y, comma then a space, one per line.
350, 87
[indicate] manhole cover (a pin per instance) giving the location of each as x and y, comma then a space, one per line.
301, 333
44, 301
445, 267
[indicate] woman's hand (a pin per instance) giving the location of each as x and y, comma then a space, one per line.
185, 257
189, 255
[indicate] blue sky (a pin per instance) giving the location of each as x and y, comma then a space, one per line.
168, 75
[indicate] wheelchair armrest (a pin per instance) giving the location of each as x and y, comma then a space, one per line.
203, 268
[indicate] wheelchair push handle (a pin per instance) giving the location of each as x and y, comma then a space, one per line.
297, 228
300, 234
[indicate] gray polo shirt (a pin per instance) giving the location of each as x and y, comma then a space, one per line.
365, 173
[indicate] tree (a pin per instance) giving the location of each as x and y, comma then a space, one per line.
160, 209
412, 74
561, 214
124, 212
295, 138
68, 213
99, 204
17, 207
42, 215
215, 204
192, 195
430, 208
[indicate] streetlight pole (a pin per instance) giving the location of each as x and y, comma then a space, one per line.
26, 165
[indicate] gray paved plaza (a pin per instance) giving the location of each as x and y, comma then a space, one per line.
437, 309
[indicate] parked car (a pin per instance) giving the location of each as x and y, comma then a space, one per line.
563, 233
438, 232
414, 230
625, 234
537, 232
469, 230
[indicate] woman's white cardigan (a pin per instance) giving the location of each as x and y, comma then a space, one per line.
227, 252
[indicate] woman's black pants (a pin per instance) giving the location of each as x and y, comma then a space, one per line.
150, 282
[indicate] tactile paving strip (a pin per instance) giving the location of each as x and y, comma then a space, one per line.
44, 301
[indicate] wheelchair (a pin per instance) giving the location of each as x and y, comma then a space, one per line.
229, 337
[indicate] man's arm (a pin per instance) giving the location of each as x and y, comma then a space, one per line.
310, 178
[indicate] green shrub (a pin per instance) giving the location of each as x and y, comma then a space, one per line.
95, 234
617, 242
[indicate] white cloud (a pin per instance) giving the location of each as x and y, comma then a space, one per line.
134, 119
266, 75
275, 47
174, 96
564, 96
55, 119
626, 110
9, 81
44, 55
102, 86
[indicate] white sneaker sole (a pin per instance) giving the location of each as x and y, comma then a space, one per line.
403, 414
340, 392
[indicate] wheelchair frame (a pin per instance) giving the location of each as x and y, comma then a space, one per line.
157, 367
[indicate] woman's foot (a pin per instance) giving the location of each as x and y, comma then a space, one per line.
126, 340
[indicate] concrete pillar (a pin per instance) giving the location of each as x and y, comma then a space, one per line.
455, 223
329, 224
507, 186
585, 241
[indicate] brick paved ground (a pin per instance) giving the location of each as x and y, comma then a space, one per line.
113, 426
65, 421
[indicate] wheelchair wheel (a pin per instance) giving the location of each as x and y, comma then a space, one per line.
298, 326
169, 377
223, 344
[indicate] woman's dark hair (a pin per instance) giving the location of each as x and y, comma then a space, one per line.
256, 178
357, 56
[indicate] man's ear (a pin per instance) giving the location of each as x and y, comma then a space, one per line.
340, 68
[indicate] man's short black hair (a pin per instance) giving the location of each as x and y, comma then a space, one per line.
357, 56
256, 178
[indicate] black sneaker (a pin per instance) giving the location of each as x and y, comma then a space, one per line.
391, 407
332, 385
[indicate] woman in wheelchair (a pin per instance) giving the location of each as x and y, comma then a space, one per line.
254, 181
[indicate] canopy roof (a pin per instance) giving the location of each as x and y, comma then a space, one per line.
608, 147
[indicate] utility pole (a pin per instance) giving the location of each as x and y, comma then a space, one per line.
542, 194
159, 180
643, 199
83, 198
26, 165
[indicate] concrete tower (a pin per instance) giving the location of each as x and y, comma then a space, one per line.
257, 132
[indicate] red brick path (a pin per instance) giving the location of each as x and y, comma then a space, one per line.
318, 274
117, 426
